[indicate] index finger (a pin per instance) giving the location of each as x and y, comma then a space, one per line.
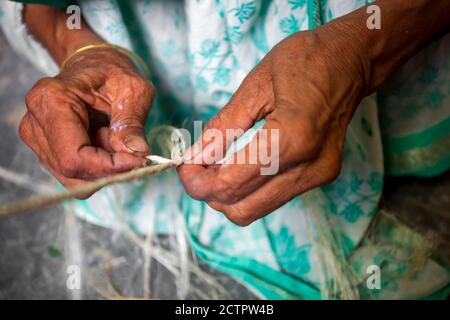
70, 144
240, 174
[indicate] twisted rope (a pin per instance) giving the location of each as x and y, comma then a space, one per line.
36, 202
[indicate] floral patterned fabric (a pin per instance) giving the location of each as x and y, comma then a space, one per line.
199, 51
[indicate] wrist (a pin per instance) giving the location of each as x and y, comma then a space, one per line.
54, 35
71, 42
406, 27
346, 44
123, 56
106, 59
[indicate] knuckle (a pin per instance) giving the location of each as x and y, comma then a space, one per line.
333, 171
140, 83
45, 87
142, 86
307, 144
69, 167
82, 196
24, 128
324, 172
46, 84
41, 84
129, 121
225, 191
238, 216
194, 189
148, 91
228, 195
32, 97
138, 92
193, 192
146, 85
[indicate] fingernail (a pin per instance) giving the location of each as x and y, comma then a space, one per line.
135, 144
146, 162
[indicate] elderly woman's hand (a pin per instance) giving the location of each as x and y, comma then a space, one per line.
88, 122
308, 88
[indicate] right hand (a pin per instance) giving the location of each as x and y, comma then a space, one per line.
88, 121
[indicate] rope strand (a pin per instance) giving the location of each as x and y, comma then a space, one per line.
36, 202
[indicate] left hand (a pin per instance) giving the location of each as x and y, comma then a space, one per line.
308, 87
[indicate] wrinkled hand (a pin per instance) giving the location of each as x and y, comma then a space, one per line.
308, 87
88, 122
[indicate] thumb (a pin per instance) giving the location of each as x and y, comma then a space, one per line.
251, 102
128, 117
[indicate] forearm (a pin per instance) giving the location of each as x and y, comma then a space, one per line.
406, 27
48, 26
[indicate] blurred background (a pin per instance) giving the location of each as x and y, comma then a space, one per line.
37, 247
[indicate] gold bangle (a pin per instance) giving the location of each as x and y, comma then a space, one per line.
136, 59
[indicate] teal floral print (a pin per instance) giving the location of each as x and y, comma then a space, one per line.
351, 212
375, 182
244, 11
201, 83
222, 76
291, 257
356, 195
209, 48
290, 25
234, 35
297, 4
